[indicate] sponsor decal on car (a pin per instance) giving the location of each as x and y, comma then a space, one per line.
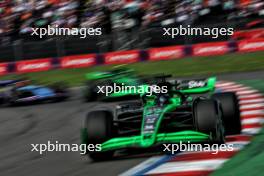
195, 84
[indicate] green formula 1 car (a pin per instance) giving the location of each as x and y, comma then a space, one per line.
115, 77
190, 111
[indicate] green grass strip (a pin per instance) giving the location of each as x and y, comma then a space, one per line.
180, 67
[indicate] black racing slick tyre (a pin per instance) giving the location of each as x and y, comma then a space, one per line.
208, 119
99, 126
231, 113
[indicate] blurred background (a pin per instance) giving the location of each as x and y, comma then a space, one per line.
126, 24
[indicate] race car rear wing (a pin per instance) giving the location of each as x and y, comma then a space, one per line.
196, 86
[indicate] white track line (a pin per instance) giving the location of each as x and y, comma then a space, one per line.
259, 100
252, 120
141, 166
254, 95
251, 131
246, 92
231, 85
229, 89
252, 106
238, 145
224, 84
237, 89
174, 167
254, 112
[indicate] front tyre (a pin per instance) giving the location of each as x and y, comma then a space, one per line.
208, 119
99, 128
231, 113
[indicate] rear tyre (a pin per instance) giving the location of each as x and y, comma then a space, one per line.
207, 119
231, 113
99, 126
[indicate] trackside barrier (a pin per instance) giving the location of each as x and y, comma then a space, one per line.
166, 53
132, 56
251, 45
210, 49
78, 61
122, 57
3, 68
36, 65
248, 34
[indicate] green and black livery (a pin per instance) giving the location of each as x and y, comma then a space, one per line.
191, 111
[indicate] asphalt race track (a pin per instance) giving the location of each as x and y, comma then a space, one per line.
22, 126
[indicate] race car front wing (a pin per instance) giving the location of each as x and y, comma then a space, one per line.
137, 141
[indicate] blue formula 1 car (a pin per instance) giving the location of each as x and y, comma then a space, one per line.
21, 92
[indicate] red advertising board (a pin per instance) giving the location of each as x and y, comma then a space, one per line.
166, 53
77, 61
249, 34
122, 57
210, 49
251, 45
35, 65
3, 68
